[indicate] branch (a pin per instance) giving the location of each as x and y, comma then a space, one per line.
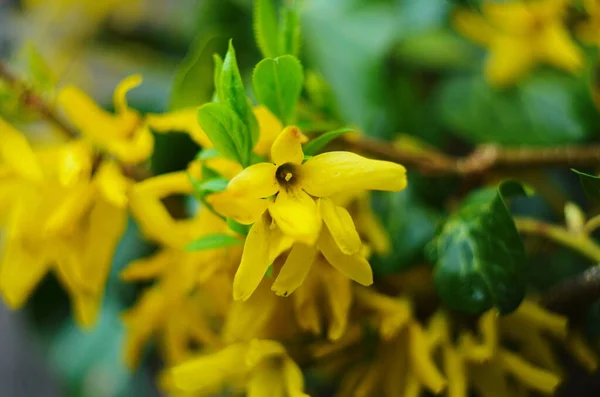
35, 102
575, 293
579, 242
484, 158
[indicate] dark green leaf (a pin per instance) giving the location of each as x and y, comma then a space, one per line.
590, 183
266, 28
289, 36
277, 85
213, 241
479, 254
312, 147
226, 131
232, 92
546, 109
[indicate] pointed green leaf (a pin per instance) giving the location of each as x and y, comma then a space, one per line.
479, 254
312, 147
266, 28
289, 36
218, 61
590, 183
232, 92
277, 85
213, 241
237, 227
226, 131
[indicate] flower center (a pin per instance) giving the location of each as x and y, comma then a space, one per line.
286, 174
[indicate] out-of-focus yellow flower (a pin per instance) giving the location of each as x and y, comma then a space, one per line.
520, 35
589, 31
123, 134
444, 355
289, 198
62, 214
89, 10
261, 367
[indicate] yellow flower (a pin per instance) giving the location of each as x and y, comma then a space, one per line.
589, 31
123, 134
289, 198
69, 219
261, 367
520, 35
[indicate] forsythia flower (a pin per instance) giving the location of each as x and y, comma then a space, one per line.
289, 198
589, 31
62, 215
261, 367
520, 35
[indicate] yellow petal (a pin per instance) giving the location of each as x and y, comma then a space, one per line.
306, 308
73, 162
16, 152
295, 269
66, 217
536, 378
86, 307
183, 120
423, 364
297, 215
510, 17
255, 260
287, 148
340, 225
558, 49
269, 127
509, 60
294, 381
578, 347
536, 316
266, 381
256, 181
371, 228
338, 292
336, 172
113, 185
473, 26
148, 268
354, 266
211, 373
261, 349
242, 209
93, 121
455, 371
126, 85
134, 150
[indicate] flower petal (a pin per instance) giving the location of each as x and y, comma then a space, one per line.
126, 85
256, 181
295, 269
297, 215
269, 127
306, 309
134, 150
354, 266
93, 121
266, 381
287, 148
210, 373
113, 185
510, 59
338, 291
557, 48
244, 210
16, 152
184, 120
294, 381
255, 260
340, 225
336, 172
149, 267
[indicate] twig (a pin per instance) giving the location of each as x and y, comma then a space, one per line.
575, 293
484, 158
580, 242
35, 102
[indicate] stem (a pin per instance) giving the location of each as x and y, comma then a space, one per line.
35, 102
574, 294
581, 243
484, 158
592, 224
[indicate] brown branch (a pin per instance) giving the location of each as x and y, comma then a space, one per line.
36, 103
484, 158
574, 294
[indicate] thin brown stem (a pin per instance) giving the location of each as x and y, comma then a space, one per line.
483, 159
36, 103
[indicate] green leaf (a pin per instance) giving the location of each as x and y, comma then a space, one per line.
266, 28
232, 92
41, 73
312, 147
289, 36
213, 185
277, 85
213, 241
218, 61
226, 131
237, 227
479, 256
207, 154
590, 183
546, 109
192, 85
